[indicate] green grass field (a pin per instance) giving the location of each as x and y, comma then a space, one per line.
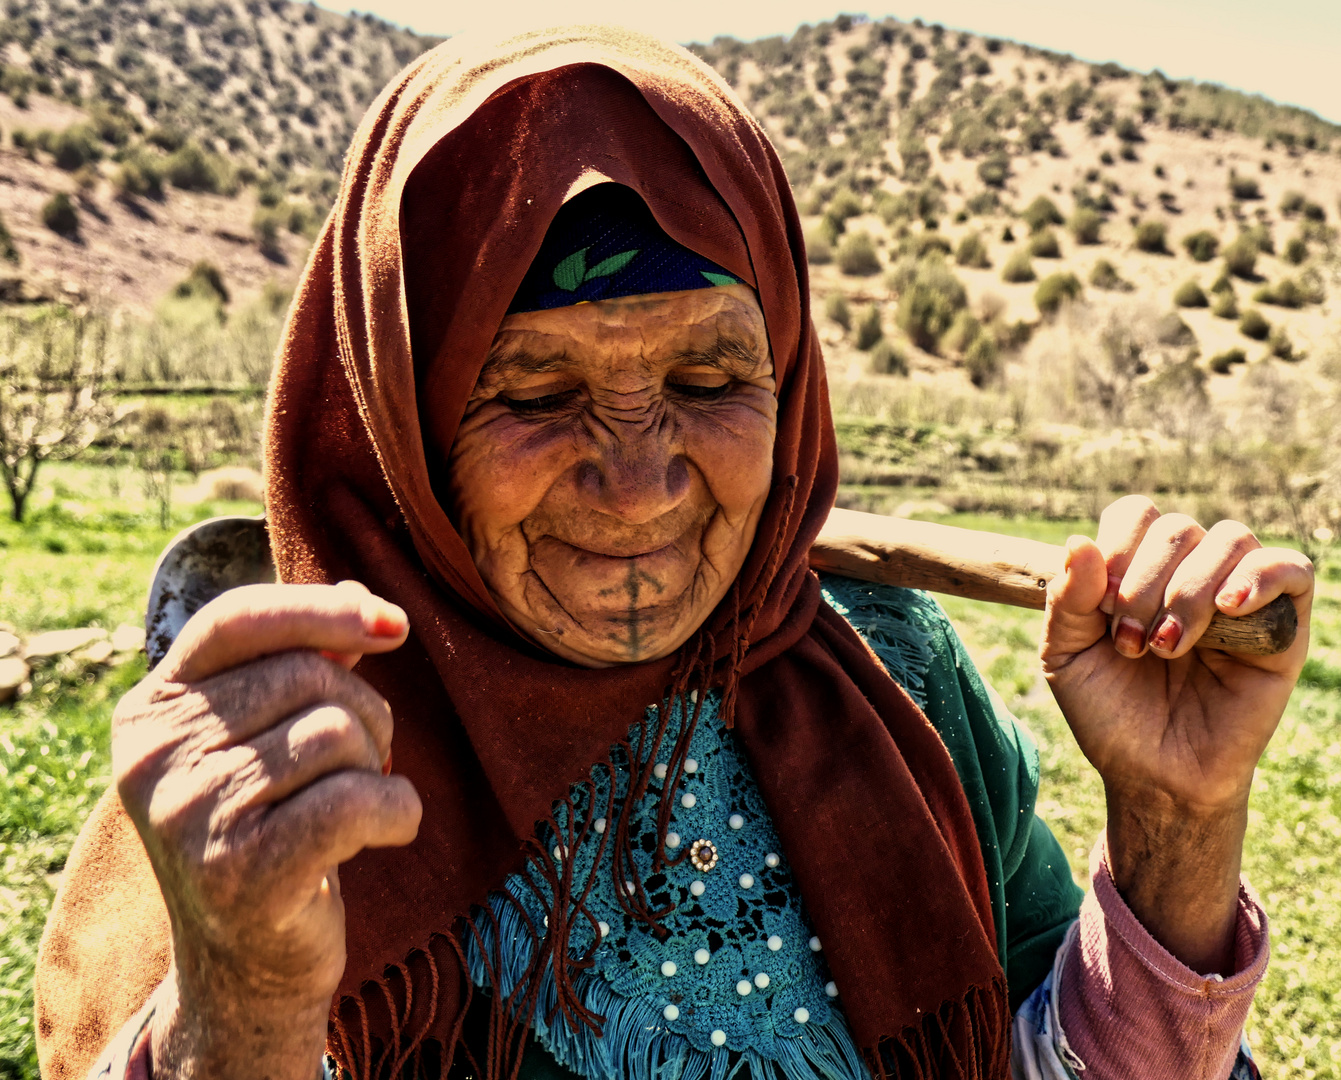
86, 557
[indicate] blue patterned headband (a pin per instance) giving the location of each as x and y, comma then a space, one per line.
605, 243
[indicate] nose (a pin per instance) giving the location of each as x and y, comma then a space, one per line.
636, 476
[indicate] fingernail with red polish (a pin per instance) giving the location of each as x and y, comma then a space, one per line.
1109, 601
1167, 634
383, 619
1233, 596
1129, 636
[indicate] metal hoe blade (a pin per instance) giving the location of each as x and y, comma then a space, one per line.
201, 562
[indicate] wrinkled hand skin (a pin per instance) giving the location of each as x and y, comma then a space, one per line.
1175, 730
251, 761
611, 466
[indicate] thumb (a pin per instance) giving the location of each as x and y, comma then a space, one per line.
1074, 621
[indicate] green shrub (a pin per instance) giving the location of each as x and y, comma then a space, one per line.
1202, 245
1254, 325
1260, 235
1292, 202
8, 251
1105, 276
869, 330
1190, 294
1041, 213
982, 359
995, 170
1152, 237
972, 252
888, 359
857, 256
1292, 293
1244, 188
205, 281
1086, 225
1222, 362
983, 203
1280, 345
836, 309
1008, 235
1225, 305
1314, 212
76, 146
818, 251
845, 204
928, 243
60, 215
1044, 245
1296, 251
1019, 268
962, 333
140, 175
266, 224
928, 306
1241, 259
1054, 289
190, 168
1129, 130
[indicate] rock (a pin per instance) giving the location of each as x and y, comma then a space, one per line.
128, 639
13, 676
97, 653
55, 643
9, 643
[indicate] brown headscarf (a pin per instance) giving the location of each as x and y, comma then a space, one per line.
449, 187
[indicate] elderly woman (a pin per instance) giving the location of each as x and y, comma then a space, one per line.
548, 445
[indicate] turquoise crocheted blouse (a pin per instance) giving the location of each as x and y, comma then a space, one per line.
740, 982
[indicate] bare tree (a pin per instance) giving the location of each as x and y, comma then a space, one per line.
53, 394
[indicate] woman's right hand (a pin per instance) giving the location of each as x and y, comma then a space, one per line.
252, 762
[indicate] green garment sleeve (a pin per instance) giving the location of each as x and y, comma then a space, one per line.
1034, 898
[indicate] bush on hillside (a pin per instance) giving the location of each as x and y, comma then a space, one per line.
1254, 325
191, 168
1280, 345
1296, 251
1054, 290
1086, 226
1041, 213
1292, 202
1019, 268
845, 204
1314, 212
837, 310
995, 170
972, 252
1105, 276
1190, 294
1202, 245
1260, 235
139, 176
962, 333
60, 215
1044, 245
982, 360
889, 359
8, 250
1225, 305
1241, 259
928, 306
928, 243
1244, 188
1152, 237
857, 256
1292, 293
205, 281
75, 147
1222, 362
818, 251
869, 329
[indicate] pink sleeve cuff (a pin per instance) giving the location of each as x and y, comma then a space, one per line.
1128, 1007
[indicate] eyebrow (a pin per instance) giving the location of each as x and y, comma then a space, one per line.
729, 352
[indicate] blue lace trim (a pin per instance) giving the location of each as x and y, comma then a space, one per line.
738, 926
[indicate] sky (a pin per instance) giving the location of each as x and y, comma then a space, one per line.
1288, 50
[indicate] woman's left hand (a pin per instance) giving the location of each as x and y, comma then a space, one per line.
1174, 729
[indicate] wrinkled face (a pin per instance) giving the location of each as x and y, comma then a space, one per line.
611, 467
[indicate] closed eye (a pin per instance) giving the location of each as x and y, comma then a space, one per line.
543, 403
699, 392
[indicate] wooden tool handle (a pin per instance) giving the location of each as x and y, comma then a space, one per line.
1002, 569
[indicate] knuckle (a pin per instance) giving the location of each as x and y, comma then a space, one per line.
1178, 529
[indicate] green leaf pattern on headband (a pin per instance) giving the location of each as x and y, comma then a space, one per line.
573, 272
720, 279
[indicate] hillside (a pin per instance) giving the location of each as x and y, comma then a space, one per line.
194, 130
